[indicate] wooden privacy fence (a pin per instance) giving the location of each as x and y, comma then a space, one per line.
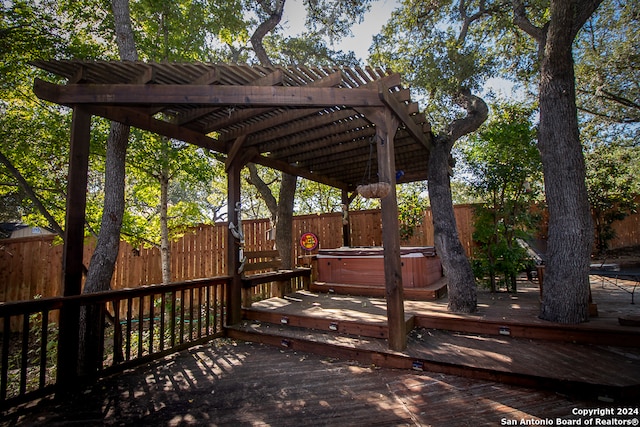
31, 267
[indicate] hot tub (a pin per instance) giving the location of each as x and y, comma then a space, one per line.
365, 266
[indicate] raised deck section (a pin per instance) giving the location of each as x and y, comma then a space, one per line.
503, 342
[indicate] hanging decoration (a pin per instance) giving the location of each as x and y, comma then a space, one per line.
376, 190
373, 190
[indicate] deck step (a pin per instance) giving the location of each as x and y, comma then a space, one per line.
581, 334
424, 354
372, 326
432, 292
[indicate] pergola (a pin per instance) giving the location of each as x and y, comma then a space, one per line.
336, 126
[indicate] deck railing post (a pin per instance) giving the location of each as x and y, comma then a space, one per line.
234, 296
72, 260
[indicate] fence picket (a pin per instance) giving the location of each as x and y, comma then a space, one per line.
32, 266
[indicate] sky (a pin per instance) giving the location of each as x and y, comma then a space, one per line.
380, 12
378, 15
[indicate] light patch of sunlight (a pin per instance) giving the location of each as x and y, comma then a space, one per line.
273, 303
358, 369
481, 338
179, 420
450, 349
516, 306
347, 314
506, 410
308, 293
348, 299
390, 403
293, 404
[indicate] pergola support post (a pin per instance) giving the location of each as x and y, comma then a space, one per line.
386, 127
72, 262
234, 294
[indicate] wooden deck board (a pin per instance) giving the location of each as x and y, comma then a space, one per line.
237, 383
478, 349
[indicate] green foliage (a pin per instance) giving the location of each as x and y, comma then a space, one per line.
307, 50
608, 65
504, 169
424, 41
334, 18
412, 203
313, 197
186, 30
34, 349
196, 189
613, 186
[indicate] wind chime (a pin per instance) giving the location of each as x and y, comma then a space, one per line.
372, 190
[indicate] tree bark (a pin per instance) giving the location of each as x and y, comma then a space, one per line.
165, 248
273, 19
566, 286
284, 227
282, 210
104, 257
455, 264
565, 297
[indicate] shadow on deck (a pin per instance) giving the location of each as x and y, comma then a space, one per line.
503, 342
341, 380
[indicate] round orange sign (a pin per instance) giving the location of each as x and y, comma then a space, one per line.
309, 241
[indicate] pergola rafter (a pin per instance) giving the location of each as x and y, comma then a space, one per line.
331, 125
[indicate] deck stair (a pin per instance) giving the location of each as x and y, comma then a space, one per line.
326, 312
340, 326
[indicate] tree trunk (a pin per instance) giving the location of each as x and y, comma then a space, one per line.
456, 266
282, 211
104, 257
566, 284
165, 248
106, 252
284, 227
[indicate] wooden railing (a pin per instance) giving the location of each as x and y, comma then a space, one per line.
138, 325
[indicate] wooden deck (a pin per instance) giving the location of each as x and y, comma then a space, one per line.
504, 341
445, 378
246, 384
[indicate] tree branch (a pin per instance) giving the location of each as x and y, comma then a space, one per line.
477, 113
583, 11
263, 189
521, 21
275, 16
22, 182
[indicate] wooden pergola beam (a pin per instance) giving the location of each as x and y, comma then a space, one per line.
333, 79
127, 94
72, 266
400, 111
132, 117
271, 79
293, 170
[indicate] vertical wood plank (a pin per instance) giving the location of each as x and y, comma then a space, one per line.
386, 126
